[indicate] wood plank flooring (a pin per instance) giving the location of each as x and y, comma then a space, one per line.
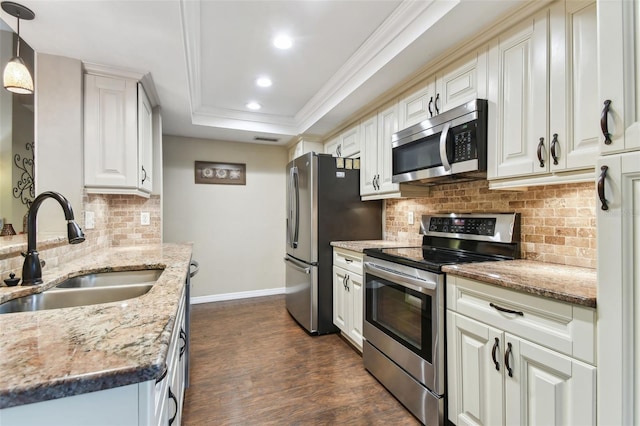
252, 364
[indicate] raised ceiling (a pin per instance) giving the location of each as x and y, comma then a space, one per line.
204, 56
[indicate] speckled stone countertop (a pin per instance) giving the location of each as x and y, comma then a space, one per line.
14, 244
565, 283
360, 246
62, 352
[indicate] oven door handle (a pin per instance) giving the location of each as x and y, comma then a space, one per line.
417, 284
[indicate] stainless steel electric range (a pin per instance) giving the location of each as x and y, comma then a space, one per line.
404, 328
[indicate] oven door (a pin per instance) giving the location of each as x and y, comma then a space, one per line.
404, 318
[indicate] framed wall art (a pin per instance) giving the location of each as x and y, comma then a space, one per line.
220, 173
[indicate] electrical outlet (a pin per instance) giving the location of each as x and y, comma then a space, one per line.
145, 218
410, 218
89, 220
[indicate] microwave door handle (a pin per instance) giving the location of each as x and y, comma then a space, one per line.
444, 136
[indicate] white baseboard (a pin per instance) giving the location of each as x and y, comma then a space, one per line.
234, 296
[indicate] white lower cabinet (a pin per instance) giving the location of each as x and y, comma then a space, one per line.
154, 402
348, 294
496, 376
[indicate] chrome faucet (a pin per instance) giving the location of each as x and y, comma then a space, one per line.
31, 269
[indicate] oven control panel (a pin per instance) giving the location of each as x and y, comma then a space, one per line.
466, 225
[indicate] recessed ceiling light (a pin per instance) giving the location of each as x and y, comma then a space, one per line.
283, 42
263, 82
254, 106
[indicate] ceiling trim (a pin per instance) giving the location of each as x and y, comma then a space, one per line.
407, 22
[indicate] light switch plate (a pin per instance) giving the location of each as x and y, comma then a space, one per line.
145, 218
89, 220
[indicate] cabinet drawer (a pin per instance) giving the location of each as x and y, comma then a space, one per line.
566, 328
348, 260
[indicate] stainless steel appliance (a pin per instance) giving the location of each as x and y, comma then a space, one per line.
450, 146
404, 328
323, 205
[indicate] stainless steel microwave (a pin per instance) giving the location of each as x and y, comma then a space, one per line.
452, 146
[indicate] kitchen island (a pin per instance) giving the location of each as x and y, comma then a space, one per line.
59, 353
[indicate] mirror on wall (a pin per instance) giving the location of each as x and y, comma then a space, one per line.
17, 185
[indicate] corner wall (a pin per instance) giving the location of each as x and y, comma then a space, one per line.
237, 230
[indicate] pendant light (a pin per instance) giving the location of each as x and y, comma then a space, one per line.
17, 78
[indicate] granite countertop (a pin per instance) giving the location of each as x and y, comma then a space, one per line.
360, 246
62, 352
14, 244
565, 283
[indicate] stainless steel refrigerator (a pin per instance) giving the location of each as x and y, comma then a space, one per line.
323, 205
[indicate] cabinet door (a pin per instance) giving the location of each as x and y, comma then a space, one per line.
618, 284
354, 285
368, 156
145, 141
333, 147
547, 388
574, 110
619, 77
417, 106
474, 382
110, 132
462, 82
387, 126
340, 302
520, 66
350, 142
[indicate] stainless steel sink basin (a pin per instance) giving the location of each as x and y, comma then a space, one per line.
90, 289
108, 279
64, 298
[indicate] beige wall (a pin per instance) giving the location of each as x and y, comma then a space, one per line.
58, 134
237, 231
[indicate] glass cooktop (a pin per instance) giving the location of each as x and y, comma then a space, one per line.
430, 258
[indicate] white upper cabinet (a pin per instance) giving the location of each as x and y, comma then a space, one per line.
347, 144
118, 134
458, 83
145, 141
304, 145
519, 99
574, 76
542, 98
619, 77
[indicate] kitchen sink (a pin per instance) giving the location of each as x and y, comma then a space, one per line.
108, 279
90, 289
67, 297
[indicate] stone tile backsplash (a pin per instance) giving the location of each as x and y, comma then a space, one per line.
558, 223
117, 223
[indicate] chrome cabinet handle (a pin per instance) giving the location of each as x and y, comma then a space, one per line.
604, 122
540, 149
554, 143
506, 359
496, 345
601, 181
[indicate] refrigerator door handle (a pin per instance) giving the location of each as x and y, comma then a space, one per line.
296, 187
298, 266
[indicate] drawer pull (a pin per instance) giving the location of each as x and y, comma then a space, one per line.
348, 260
493, 354
508, 311
506, 360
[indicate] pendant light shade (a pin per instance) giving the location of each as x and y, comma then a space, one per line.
16, 77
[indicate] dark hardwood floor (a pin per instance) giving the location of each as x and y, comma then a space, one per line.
251, 364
